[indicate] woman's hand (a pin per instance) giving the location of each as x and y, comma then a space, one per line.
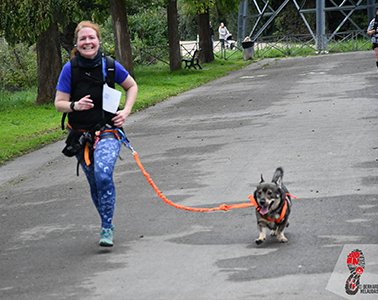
120, 118
62, 103
84, 103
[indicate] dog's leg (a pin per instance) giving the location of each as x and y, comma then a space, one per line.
262, 236
281, 238
280, 235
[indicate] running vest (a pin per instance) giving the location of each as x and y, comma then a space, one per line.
375, 27
89, 81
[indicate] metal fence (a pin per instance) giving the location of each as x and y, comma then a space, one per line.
305, 44
270, 46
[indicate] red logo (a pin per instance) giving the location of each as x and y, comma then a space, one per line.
356, 265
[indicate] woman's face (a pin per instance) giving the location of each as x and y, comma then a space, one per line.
88, 42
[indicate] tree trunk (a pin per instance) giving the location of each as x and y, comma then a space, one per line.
49, 62
173, 37
205, 44
121, 35
68, 36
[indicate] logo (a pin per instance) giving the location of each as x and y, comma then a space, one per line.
356, 265
355, 275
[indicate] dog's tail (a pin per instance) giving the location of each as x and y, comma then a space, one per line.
277, 177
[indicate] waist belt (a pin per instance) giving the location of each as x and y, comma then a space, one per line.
98, 135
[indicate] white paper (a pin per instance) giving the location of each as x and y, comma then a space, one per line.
110, 99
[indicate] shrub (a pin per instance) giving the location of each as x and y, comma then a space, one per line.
18, 66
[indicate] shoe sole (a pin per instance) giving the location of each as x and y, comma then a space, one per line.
105, 244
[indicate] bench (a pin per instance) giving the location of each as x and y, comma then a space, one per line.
192, 61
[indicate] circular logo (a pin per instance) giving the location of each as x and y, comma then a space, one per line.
359, 271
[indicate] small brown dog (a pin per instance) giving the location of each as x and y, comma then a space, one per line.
273, 207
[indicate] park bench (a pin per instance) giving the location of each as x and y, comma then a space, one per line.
192, 61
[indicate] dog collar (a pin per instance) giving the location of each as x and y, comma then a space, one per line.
283, 212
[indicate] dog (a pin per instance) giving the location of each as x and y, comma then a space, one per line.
273, 206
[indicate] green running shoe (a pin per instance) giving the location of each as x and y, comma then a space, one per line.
106, 238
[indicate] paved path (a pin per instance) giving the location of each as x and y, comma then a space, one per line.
317, 117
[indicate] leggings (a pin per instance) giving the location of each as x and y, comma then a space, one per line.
100, 178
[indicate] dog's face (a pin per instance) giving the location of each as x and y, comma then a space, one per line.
268, 196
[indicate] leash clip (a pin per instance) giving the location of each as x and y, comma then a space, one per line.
125, 141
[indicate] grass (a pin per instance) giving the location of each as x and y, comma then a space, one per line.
25, 127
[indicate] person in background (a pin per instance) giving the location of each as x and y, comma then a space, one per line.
211, 34
83, 103
373, 31
222, 36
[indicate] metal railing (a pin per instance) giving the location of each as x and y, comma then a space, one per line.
305, 44
270, 46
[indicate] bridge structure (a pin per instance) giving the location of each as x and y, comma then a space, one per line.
264, 14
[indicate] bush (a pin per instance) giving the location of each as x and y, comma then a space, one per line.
18, 66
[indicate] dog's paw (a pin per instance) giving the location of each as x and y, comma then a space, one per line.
282, 239
273, 233
259, 241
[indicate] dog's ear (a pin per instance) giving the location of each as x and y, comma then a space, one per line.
277, 177
262, 179
279, 182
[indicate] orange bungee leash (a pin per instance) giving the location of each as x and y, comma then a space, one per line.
223, 207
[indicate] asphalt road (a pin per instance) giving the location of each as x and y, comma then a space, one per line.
317, 117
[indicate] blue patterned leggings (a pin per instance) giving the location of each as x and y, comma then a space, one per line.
100, 178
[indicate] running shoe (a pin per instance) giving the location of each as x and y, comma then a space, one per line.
106, 238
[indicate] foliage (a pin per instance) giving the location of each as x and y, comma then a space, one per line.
289, 22
18, 66
107, 46
148, 29
219, 10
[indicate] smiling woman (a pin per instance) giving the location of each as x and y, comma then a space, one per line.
81, 86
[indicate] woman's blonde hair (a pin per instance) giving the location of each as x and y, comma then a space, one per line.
81, 25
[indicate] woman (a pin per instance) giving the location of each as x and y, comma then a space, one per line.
373, 31
222, 33
222, 30
83, 103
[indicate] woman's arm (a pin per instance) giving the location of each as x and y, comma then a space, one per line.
62, 103
131, 88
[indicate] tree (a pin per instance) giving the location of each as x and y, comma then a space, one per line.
121, 34
207, 54
48, 45
173, 36
201, 8
37, 22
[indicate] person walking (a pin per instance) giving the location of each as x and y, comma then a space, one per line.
83, 101
373, 31
222, 30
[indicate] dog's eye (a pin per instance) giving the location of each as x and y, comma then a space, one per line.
259, 193
269, 193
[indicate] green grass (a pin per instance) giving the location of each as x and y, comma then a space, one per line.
25, 127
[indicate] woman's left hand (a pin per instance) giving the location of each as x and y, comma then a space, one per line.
120, 118
131, 88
